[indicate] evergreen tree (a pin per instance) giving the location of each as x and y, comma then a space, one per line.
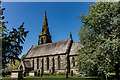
12, 42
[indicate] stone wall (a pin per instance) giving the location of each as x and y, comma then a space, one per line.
31, 62
50, 62
73, 61
63, 62
72, 67
35, 64
40, 63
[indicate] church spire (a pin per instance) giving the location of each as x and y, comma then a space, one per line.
45, 29
45, 20
44, 36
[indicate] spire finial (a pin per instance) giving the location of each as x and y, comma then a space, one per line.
45, 20
70, 35
45, 15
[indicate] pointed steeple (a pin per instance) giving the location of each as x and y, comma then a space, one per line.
44, 36
45, 29
45, 19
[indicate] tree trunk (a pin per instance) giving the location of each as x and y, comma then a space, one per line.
117, 71
66, 74
107, 77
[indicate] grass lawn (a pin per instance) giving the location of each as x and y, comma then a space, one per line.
56, 77
60, 77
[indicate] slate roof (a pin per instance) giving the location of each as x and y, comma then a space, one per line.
59, 47
75, 47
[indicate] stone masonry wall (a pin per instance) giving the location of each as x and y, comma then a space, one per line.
45, 64
71, 64
50, 62
40, 63
35, 64
31, 62
63, 63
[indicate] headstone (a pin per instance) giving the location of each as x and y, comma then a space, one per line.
38, 73
32, 73
71, 72
50, 72
41, 72
24, 74
16, 74
35, 73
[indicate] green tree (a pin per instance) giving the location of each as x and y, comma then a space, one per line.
12, 43
100, 35
3, 30
14, 66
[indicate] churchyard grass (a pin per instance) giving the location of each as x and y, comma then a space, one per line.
62, 77
56, 76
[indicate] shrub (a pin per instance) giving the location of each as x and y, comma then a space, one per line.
57, 73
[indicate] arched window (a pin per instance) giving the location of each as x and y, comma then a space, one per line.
47, 63
73, 61
59, 61
37, 63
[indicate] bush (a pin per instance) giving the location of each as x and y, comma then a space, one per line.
57, 73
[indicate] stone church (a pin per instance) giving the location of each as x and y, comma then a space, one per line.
51, 57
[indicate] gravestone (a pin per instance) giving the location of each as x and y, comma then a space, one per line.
16, 74
32, 73
41, 73
24, 74
71, 72
38, 73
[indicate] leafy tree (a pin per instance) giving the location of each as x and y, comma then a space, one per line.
12, 43
100, 35
14, 66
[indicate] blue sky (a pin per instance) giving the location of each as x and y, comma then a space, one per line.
62, 19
